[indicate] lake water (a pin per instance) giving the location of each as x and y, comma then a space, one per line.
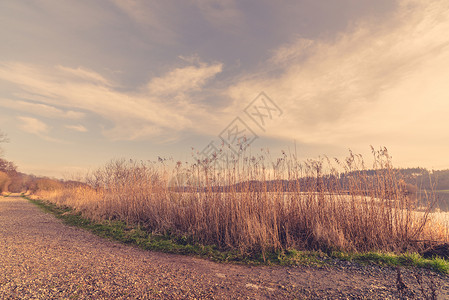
442, 201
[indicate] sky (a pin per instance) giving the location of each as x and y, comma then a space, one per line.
83, 82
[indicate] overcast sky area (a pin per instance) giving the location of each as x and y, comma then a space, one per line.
82, 82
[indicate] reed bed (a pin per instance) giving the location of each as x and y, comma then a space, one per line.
256, 204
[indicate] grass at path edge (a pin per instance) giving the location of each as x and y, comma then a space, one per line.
134, 235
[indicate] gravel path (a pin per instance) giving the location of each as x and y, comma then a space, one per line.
41, 258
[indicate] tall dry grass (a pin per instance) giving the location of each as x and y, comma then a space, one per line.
257, 204
4, 182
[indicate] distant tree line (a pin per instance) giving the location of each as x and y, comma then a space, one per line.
425, 179
414, 179
11, 180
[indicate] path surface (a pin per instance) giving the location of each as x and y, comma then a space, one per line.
41, 258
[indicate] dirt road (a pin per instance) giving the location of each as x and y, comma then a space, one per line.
41, 258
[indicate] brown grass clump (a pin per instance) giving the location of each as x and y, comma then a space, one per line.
47, 184
255, 205
4, 182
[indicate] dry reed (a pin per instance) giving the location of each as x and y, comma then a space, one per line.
256, 205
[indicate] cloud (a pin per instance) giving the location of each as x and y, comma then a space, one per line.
85, 74
164, 107
372, 82
33, 126
79, 128
40, 109
181, 80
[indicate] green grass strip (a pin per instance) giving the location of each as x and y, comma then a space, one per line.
392, 260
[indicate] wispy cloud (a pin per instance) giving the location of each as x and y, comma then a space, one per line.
40, 109
85, 75
182, 80
165, 106
79, 128
33, 126
376, 79
37, 127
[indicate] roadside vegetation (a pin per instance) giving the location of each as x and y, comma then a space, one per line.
4, 182
254, 207
135, 235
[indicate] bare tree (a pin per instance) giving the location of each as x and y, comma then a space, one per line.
3, 139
